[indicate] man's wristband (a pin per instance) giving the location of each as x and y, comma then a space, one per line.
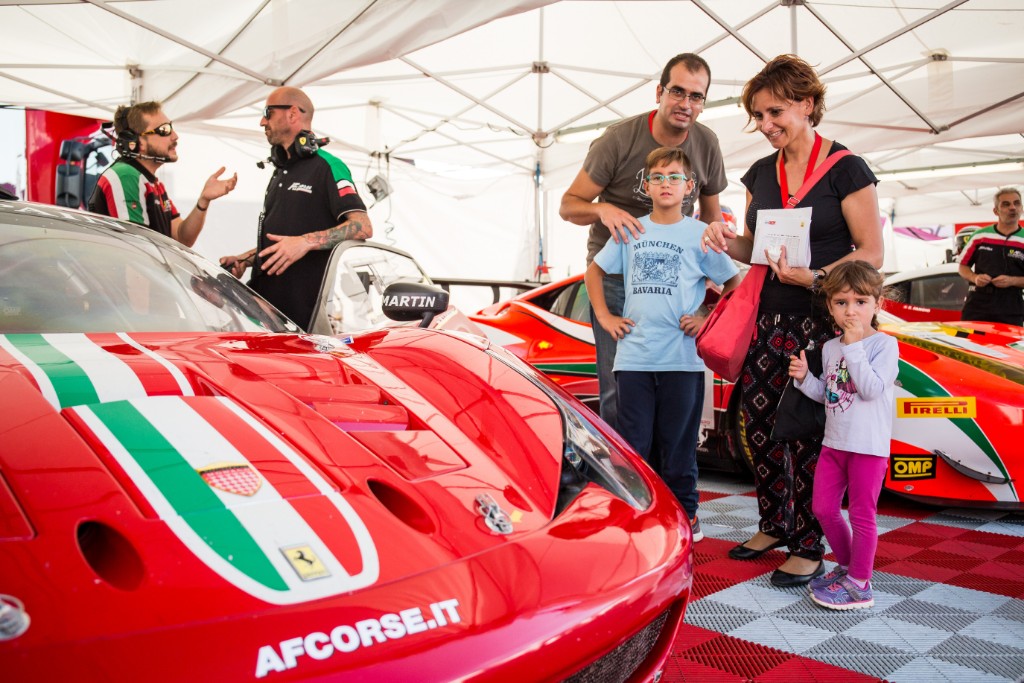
200, 207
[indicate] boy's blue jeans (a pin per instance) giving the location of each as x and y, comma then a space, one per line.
668, 405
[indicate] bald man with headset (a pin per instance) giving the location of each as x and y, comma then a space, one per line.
129, 189
311, 205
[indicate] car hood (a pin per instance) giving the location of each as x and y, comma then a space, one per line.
288, 465
994, 348
958, 399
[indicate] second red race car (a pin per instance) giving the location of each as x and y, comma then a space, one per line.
959, 413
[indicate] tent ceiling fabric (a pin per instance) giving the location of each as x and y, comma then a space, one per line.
205, 58
507, 86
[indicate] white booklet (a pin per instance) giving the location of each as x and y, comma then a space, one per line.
790, 228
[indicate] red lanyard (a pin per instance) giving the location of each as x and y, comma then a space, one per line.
787, 201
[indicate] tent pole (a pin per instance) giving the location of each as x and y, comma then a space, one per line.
792, 29
541, 272
540, 68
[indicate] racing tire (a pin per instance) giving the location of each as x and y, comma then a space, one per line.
738, 448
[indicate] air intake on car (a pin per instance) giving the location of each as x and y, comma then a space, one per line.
623, 661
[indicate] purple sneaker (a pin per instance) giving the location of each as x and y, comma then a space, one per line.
843, 594
826, 579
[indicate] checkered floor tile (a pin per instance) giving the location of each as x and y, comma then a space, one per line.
949, 602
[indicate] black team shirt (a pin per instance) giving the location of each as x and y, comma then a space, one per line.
305, 194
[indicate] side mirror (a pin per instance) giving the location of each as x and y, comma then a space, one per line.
414, 301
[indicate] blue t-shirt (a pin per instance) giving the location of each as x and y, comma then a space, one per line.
663, 273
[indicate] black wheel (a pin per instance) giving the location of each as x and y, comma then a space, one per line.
738, 447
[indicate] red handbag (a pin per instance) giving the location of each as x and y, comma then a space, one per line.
727, 334
725, 337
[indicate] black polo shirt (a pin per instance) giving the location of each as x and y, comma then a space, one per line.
305, 194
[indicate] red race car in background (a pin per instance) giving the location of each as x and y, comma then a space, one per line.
959, 415
193, 487
933, 294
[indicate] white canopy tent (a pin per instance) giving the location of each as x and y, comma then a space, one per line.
479, 114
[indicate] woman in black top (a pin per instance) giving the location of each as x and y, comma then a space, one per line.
786, 101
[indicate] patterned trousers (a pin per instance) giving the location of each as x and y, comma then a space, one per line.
783, 470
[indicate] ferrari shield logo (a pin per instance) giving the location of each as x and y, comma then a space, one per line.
305, 562
238, 478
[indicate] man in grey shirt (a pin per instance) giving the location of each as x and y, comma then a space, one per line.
613, 174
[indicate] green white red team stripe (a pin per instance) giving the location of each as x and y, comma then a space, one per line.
73, 369
133, 207
162, 442
142, 409
962, 436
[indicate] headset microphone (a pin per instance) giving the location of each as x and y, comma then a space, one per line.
163, 160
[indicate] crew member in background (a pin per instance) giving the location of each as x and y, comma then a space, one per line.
613, 174
129, 189
993, 264
310, 206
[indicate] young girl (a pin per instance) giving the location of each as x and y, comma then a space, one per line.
857, 387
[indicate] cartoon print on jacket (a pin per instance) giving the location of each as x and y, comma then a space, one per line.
839, 388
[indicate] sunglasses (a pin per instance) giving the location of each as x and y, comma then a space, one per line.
164, 130
267, 110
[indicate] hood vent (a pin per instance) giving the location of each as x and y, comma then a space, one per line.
110, 555
404, 508
351, 407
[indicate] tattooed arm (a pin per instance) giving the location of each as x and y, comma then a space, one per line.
287, 250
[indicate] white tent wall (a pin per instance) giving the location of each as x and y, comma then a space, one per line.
470, 229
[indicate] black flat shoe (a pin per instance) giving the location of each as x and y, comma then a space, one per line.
786, 580
742, 552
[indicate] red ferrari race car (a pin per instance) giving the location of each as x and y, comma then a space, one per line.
959, 416
933, 294
192, 487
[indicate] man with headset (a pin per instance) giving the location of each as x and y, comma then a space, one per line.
311, 205
129, 189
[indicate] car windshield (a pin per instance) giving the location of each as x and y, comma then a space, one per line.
356, 280
70, 276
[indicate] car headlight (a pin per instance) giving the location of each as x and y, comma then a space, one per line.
588, 457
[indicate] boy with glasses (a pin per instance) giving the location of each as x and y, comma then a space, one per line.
129, 189
612, 174
659, 377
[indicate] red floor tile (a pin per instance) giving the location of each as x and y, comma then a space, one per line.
988, 584
803, 670
705, 496
738, 657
